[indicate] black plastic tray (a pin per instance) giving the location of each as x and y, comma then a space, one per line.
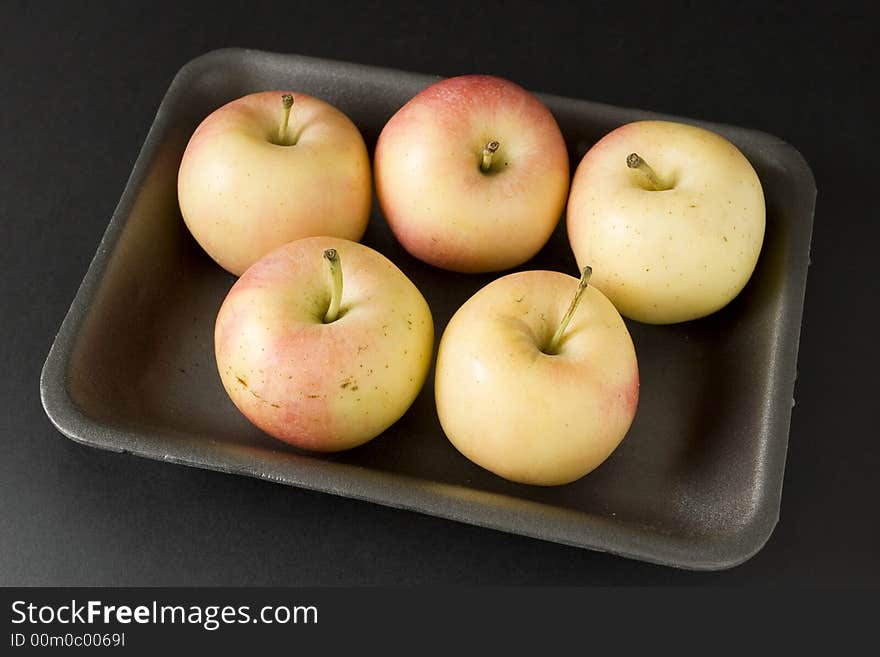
696, 483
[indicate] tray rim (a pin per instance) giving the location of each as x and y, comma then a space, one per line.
603, 534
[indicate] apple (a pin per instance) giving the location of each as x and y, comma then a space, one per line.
536, 378
671, 216
323, 343
472, 174
269, 168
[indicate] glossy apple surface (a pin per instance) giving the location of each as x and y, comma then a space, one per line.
524, 414
245, 188
675, 253
318, 385
441, 204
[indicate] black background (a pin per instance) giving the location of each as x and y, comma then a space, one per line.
79, 85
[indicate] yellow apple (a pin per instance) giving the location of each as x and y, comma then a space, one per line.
536, 378
269, 168
671, 216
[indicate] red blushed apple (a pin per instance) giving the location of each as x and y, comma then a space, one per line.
269, 168
323, 343
472, 174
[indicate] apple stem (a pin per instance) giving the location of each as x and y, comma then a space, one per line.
635, 161
488, 151
553, 347
287, 104
335, 268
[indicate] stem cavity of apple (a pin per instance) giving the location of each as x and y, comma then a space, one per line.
488, 151
635, 161
335, 269
287, 104
555, 342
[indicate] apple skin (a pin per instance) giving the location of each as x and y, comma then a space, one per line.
242, 195
323, 387
441, 207
673, 255
525, 415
